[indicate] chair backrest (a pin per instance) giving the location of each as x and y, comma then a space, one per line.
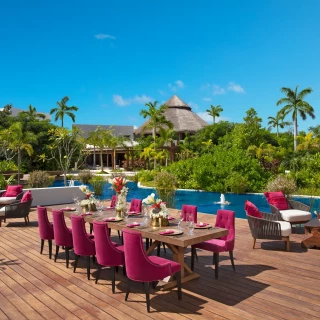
188, 209
136, 205
106, 253
138, 265
113, 201
82, 244
45, 227
13, 190
226, 219
277, 199
62, 234
26, 196
18, 209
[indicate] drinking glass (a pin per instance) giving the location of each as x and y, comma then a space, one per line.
190, 228
125, 213
181, 218
189, 217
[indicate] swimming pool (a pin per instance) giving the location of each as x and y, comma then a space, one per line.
203, 200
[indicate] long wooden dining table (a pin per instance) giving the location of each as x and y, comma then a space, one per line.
176, 243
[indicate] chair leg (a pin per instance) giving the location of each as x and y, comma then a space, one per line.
196, 255
147, 243
119, 235
192, 257
28, 219
113, 269
147, 290
88, 267
288, 244
42, 244
178, 278
25, 221
67, 257
93, 259
50, 248
75, 262
232, 261
164, 247
56, 255
158, 250
91, 228
124, 270
216, 263
254, 242
98, 273
128, 289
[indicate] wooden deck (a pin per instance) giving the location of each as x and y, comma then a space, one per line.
269, 283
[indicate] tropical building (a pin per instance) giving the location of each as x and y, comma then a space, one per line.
184, 120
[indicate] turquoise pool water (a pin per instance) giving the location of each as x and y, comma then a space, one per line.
203, 200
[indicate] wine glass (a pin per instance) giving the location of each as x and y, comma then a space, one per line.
181, 218
125, 213
190, 228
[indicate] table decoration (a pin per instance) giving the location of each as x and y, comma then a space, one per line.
159, 212
118, 185
88, 204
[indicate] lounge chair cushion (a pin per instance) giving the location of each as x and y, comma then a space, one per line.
285, 228
293, 215
2, 211
27, 196
6, 200
277, 199
252, 210
13, 191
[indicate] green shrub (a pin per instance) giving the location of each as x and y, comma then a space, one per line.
69, 177
282, 182
39, 179
4, 182
98, 184
6, 166
237, 183
166, 185
85, 176
146, 175
133, 178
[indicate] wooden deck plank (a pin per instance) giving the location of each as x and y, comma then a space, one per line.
269, 283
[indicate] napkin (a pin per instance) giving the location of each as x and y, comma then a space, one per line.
68, 209
166, 232
109, 219
170, 218
133, 212
109, 208
202, 224
87, 214
131, 225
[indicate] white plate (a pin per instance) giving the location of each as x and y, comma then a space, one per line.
115, 219
176, 232
204, 227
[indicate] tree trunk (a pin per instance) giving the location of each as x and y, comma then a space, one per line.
295, 133
214, 120
277, 131
61, 122
154, 146
65, 178
107, 160
101, 160
19, 164
114, 159
94, 157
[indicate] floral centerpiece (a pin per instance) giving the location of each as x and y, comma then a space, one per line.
88, 203
121, 201
159, 212
117, 183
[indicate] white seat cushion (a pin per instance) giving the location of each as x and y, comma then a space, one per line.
6, 200
2, 211
293, 215
285, 228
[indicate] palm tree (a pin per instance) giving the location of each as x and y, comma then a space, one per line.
156, 119
33, 114
166, 139
93, 139
278, 121
214, 112
18, 141
103, 140
114, 142
296, 105
147, 154
63, 110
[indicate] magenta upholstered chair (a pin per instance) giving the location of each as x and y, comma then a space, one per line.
141, 268
225, 219
107, 254
83, 244
135, 205
189, 209
62, 234
45, 229
113, 202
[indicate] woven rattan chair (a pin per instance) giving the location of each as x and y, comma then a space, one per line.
17, 210
268, 227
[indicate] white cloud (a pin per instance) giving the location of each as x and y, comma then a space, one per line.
176, 85
120, 101
206, 117
102, 36
235, 87
193, 105
163, 93
216, 89
207, 99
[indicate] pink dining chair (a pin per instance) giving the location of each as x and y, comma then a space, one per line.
83, 244
141, 268
62, 234
187, 210
107, 252
113, 202
135, 205
45, 229
225, 219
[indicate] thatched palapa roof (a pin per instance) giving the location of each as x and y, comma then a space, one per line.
181, 116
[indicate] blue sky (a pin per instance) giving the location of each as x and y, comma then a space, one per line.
110, 57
